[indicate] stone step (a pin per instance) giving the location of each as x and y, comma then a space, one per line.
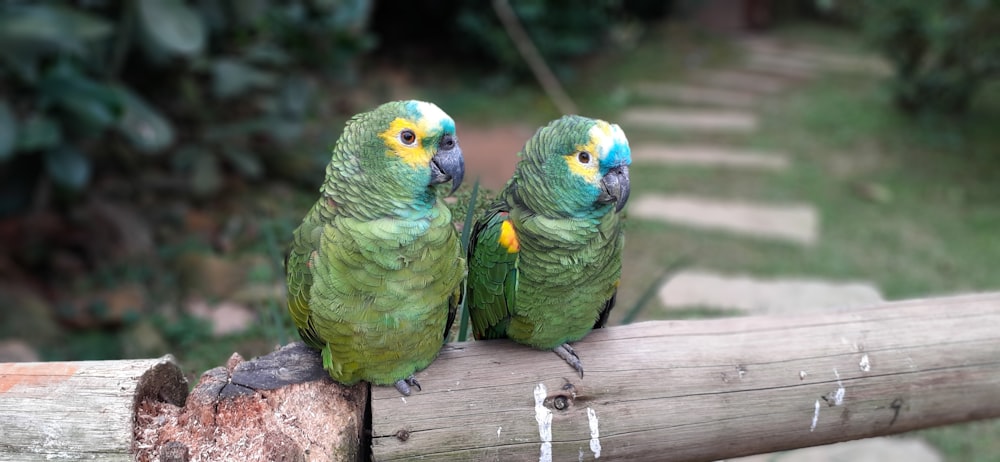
709, 156
691, 94
752, 295
868, 450
689, 119
794, 223
742, 80
830, 60
780, 63
784, 72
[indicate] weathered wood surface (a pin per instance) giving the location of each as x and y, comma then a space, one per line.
80, 410
704, 390
278, 407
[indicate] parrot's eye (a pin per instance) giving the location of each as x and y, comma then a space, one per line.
583, 157
408, 137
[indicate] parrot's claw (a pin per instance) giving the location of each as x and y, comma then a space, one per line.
403, 385
567, 354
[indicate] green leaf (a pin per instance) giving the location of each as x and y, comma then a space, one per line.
231, 77
8, 131
95, 104
146, 127
171, 26
44, 28
243, 161
68, 167
39, 132
205, 177
267, 54
283, 131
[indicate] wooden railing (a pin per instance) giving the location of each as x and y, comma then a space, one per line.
665, 390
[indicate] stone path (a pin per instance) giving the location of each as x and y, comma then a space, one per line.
752, 82
868, 450
709, 156
689, 119
721, 101
795, 223
691, 94
753, 295
828, 60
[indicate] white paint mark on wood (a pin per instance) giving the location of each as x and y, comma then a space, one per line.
815, 417
865, 364
595, 433
403, 398
498, 431
838, 396
802, 375
544, 418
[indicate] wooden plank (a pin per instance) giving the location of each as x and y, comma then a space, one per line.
80, 410
704, 390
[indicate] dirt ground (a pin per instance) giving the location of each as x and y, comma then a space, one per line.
491, 152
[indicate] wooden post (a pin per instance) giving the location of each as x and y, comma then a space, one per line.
704, 390
80, 410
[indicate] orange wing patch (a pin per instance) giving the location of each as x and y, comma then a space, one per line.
508, 237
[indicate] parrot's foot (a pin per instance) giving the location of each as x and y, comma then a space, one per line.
567, 354
403, 385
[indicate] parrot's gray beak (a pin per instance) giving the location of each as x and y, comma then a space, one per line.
615, 187
448, 164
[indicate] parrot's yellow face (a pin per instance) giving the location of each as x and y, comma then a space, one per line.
415, 136
578, 167
606, 146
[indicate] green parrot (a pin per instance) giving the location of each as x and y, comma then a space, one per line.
375, 270
545, 259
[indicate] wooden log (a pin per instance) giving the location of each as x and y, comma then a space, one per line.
278, 407
80, 410
704, 390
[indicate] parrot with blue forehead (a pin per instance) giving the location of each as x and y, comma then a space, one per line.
545, 259
375, 270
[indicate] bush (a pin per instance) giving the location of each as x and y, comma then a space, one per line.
942, 50
562, 30
90, 84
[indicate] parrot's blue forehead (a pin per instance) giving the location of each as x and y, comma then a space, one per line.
612, 145
430, 116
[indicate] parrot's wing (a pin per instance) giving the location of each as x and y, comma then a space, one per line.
298, 267
492, 283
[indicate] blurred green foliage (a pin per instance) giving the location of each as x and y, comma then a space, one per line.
942, 51
213, 83
563, 31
